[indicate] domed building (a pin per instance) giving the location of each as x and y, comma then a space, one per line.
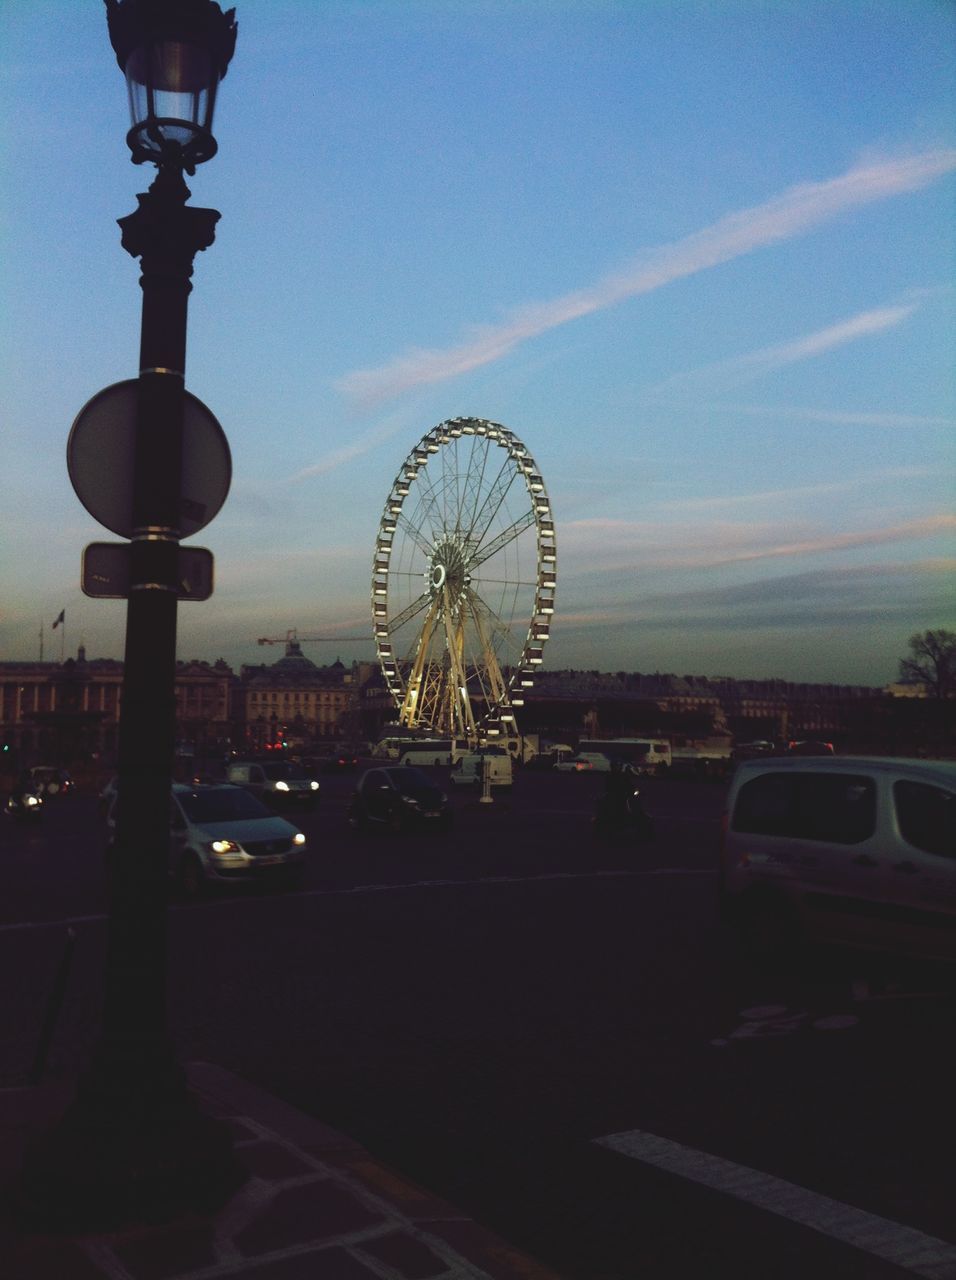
295, 701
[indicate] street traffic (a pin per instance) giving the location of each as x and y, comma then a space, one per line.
491, 1006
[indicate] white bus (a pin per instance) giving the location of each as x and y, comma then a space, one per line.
646, 755
430, 751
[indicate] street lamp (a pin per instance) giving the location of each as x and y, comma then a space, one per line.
134, 1140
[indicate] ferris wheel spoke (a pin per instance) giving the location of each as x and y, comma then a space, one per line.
412, 611
482, 610
502, 539
412, 531
483, 517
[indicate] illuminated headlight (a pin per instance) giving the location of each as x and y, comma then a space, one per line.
282, 786
298, 838
224, 846
32, 801
313, 786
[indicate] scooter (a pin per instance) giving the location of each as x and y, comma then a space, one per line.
614, 814
24, 805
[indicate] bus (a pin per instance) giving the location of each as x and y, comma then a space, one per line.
440, 751
645, 755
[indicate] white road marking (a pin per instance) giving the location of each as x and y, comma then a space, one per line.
914, 1251
400, 887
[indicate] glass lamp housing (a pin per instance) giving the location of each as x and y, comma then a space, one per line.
173, 54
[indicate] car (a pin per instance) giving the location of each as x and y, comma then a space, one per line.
586, 760
49, 782
852, 850
222, 834
398, 798
810, 748
278, 782
344, 761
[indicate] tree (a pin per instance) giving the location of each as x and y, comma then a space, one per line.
932, 661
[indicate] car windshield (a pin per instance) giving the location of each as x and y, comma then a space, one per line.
283, 769
221, 804
412, 783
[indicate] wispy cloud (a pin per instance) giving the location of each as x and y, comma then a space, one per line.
790, 214
643, 546
793, 493
837, 417
715, 377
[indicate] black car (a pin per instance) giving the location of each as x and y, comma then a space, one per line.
399, 799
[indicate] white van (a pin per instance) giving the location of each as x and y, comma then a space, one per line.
855, 850
470, 768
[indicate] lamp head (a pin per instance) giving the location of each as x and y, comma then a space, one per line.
173, 54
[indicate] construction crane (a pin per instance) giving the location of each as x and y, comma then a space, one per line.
292, 637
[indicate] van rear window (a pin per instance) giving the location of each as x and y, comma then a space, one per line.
839, 808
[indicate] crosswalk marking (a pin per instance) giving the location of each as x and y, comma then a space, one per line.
915, 1251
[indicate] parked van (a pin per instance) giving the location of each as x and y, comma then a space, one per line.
469, 770
855, 850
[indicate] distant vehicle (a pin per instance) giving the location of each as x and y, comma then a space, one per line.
223, 834
430, 751
579, 764
470, 768
849, 849
752, 750
810, 748
399, 798
49, 782
646, 755
344, 761
278, 782
24, 801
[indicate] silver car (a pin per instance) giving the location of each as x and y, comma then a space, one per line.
222, 835
854, 850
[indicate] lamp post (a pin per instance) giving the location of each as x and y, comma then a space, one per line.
134, 1139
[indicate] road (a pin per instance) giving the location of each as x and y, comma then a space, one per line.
491, 1012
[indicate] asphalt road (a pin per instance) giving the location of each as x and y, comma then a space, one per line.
483, 1009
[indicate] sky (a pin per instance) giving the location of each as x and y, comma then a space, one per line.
698, 255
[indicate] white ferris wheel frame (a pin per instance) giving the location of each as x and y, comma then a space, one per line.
458, 695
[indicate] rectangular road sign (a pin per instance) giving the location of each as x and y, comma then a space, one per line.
105, 572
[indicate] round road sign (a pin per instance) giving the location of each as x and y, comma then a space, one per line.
100, 460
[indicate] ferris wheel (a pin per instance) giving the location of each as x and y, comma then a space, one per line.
463, 580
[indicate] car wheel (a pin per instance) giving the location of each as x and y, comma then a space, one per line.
191, 880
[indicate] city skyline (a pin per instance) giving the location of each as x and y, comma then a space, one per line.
699, 260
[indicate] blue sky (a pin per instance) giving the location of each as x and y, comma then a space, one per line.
698, 256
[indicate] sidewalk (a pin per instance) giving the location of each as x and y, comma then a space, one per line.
316, 1206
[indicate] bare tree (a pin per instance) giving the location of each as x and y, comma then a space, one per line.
932, 661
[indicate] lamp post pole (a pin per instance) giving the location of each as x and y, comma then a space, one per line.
135, 1140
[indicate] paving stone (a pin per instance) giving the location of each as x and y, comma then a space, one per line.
411, 1258
328, 1264
272, 1161
171, 1251
315, 1210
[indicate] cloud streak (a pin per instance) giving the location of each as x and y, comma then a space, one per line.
794, 212
626, 546
757, 363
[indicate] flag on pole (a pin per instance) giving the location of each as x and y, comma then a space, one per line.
60, 618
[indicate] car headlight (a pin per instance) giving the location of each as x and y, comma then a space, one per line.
282, 786
224, 846
298, 838
411, 802
313, 786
